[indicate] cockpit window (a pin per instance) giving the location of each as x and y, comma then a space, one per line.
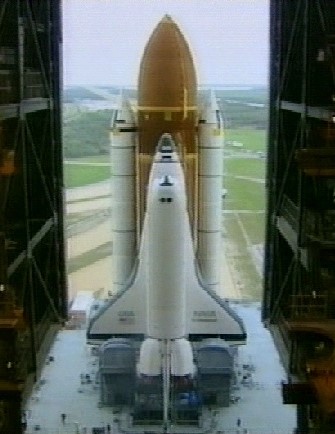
166, 199
166, 144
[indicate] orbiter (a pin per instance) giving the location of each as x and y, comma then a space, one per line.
167, 168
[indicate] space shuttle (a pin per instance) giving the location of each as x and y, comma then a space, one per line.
167, 170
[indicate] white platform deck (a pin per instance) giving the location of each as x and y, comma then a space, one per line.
258, 401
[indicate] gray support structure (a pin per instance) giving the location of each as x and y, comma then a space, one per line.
33, 301
299, 284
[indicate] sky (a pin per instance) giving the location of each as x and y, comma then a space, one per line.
103, 40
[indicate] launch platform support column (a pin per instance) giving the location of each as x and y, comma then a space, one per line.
302, 419
299, 269
10, 412
123, 194
33, 302
210, 193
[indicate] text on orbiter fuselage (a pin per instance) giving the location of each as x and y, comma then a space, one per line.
126, 316
204, 315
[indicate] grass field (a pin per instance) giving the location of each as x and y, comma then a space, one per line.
250, 280
77, 175
94, 159
254, 225
254, 140
244, 194
252, 167
244, 177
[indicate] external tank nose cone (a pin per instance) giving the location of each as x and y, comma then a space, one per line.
167, 103
167, 74
167, 18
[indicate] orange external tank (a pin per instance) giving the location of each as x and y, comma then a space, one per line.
167, 103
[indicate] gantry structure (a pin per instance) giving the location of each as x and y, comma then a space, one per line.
33, 299
299, 277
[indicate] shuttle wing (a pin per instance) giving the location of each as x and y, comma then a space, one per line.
124, 314
207, 315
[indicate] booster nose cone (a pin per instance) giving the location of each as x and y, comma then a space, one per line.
167, 18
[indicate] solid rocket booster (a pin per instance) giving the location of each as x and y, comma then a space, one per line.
167, 102
123, 193
210, 192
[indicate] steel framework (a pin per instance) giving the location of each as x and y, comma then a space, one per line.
299, 279
33, 301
